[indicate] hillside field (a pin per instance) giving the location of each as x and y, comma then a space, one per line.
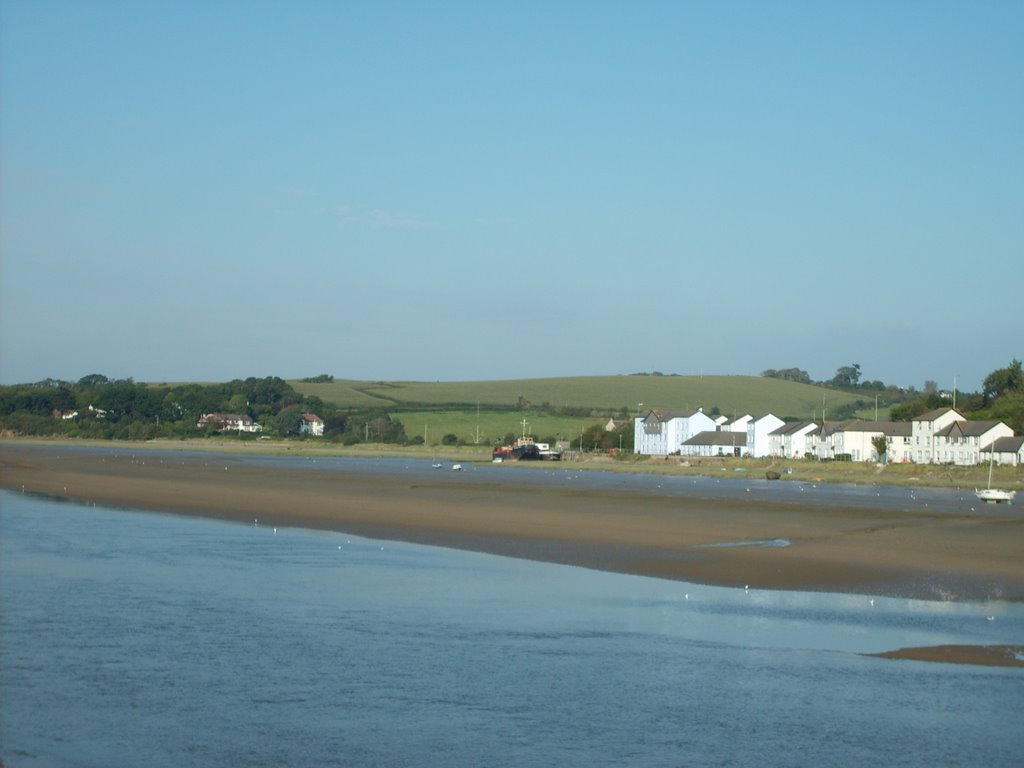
605, 395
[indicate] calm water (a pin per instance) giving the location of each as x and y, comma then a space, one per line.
134, 639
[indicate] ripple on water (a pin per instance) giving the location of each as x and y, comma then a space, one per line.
756, 543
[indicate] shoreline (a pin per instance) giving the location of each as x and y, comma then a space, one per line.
895, 552
965, 478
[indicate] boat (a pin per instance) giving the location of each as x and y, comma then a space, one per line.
992, 495
995, 495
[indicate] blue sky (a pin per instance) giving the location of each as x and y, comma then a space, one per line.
461, 191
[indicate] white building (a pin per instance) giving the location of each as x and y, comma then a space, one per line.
661, 433
1007, 450
758, 431
924, 429
229, 422
961, 442
311, 425
790, 440
715, 443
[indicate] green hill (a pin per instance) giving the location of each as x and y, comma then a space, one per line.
732, 395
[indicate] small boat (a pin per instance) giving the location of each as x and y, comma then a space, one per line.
456, 467
992, 495
995, 495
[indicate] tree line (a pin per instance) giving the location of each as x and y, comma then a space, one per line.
99, 407
1001, 397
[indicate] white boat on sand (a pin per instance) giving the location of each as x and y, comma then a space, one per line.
992, 495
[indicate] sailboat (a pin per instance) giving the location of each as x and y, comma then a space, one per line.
992, 495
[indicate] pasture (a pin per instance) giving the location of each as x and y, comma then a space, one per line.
606, 395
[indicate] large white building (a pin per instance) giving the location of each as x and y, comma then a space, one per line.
942, 436
661, 433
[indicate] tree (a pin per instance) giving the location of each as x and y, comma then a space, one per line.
788, 374
881, 446
847, 376
288, 422
1003, 381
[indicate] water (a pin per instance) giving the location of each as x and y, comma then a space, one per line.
133, 639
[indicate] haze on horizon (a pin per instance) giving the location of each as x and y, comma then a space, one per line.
443, 191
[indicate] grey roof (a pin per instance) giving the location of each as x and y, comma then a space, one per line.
968, 428
792, 428
933, 415
717, 438
1006, 445
669, 415
888, 428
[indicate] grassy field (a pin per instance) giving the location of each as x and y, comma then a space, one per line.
490, 426
733, 395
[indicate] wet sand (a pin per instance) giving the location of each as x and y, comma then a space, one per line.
895, 552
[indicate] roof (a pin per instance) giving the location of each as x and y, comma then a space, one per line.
888, 428
793, 428
1006, 445
311, 417
968, 428
933, 415
717, 438
669, 415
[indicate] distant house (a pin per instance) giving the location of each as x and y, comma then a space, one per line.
856, 439
661, 433
229, 422
961, 442
758, 431
716, 443
311, 425
1005, 450
65, 415
790, 440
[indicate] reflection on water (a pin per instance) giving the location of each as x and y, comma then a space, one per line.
133, 638
760, 543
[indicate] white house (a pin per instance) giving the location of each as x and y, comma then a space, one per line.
224, 422
924, 429
857, 440
1007, 450
661, 433
758, 431
790, 440
961, 442
716, 443
311, 425
739, 424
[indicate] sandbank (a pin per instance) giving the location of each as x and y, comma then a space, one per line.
893, 552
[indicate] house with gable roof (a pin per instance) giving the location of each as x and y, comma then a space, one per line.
1005, 450
715, 443
311, 425
924, 429
961, 442
661, 433
790, 440
758, 431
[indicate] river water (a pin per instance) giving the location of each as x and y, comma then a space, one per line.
133, 638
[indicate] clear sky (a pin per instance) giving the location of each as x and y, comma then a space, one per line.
478, 190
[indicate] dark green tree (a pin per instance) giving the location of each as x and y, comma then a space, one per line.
1003, 381
288, 423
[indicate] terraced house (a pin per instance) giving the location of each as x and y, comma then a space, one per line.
942, 436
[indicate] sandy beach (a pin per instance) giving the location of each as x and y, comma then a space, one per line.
895, 552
